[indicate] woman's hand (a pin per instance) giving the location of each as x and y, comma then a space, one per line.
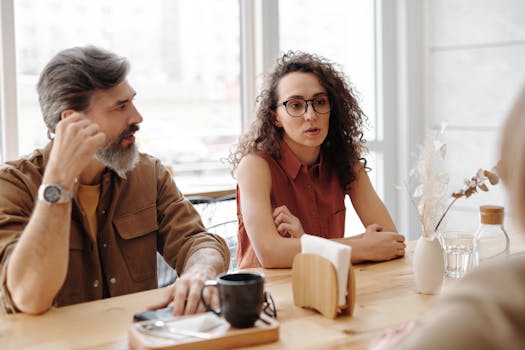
286, 223
382, 245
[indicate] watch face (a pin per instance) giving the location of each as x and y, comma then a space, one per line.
52, 194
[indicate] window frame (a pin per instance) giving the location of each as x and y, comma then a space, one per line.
8, 90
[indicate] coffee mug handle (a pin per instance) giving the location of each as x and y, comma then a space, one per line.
207, 284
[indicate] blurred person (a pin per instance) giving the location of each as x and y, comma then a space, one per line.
83, 218
486, 309
300, 158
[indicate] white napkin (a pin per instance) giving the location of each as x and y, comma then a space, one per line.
198, 323
203, 326
337, 253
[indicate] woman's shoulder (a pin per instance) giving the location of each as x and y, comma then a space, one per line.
253, 158
253, 172
251, 163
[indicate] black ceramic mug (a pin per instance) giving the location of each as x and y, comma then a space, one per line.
241, 296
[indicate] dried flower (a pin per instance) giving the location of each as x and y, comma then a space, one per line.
431, 184
471, 186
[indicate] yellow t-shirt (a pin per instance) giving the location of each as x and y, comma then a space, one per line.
88, 197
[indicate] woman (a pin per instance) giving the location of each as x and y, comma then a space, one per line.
297, 162
486, 310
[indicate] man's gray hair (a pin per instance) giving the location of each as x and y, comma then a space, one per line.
71, 77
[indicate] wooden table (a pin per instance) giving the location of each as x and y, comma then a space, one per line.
386, 297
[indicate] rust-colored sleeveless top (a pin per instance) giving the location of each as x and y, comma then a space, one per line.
313, 194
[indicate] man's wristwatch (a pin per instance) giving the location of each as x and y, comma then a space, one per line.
52, 193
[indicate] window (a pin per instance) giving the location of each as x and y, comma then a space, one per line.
185, 68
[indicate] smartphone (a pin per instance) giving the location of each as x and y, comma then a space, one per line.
159, 314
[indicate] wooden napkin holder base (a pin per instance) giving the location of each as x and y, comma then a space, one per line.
314, 283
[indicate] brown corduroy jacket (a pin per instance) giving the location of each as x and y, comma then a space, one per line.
137, 215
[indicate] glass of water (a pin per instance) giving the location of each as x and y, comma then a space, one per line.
458, 252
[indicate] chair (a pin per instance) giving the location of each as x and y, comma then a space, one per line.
228, 231
219, 215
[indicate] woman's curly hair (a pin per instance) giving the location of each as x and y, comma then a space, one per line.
344, 144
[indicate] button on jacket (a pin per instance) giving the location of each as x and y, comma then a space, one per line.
137, 216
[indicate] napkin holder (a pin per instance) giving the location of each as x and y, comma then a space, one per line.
315, 286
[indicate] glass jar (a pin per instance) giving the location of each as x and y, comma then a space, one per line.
491, 242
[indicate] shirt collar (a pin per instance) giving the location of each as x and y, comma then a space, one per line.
291, 164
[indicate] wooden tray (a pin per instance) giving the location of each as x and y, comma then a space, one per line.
265, 330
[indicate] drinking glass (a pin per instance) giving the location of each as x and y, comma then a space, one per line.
457, 252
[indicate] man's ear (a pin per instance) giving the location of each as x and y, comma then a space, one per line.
66, 113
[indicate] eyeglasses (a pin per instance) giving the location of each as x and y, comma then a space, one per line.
297, 107
269, 306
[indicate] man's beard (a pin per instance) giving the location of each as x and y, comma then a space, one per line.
117, 157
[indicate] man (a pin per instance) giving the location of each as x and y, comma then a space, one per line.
82, 219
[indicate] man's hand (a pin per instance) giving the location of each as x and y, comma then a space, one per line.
76, 140
383, 245
185, 294
186, 291
287, 223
